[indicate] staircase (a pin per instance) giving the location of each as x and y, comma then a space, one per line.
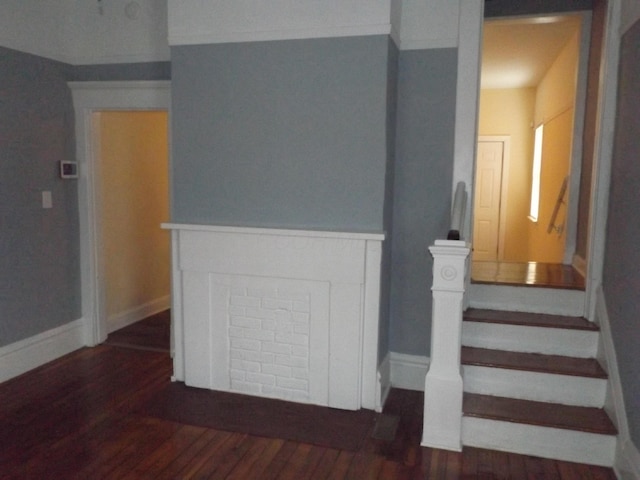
532, 384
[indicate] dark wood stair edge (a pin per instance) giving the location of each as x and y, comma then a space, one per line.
516, 283
606, 428
527, 319
520, 361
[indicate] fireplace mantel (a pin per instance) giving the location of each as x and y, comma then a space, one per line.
287, 314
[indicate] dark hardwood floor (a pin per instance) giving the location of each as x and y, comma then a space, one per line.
532, 274
79, 418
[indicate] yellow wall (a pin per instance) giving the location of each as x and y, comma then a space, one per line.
134, 186
515, 113
555, 100
556, 151
509, 112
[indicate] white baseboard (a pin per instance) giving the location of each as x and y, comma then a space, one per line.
580, 264
124, 319
27, 354
408, 371
627, 466
627, 463
384, 382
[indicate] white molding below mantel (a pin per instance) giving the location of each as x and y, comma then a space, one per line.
275, 231
281, 313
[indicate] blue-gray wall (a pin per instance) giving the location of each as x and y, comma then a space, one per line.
39, 249
285, 134
121, 72
621, 279
423, 177
385, 288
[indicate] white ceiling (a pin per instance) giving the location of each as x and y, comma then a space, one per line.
518, 51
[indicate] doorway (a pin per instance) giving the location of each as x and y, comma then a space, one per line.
133, 183
492, 174
531, 76
89, 98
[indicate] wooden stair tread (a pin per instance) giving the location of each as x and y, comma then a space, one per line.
584, 419
529, 319
533, 362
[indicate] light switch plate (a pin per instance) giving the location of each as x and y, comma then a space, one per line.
47, 200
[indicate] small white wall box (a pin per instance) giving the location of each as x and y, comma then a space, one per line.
68, 170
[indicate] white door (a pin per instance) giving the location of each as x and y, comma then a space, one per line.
486, 213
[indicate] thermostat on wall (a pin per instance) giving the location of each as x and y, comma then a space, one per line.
68, 170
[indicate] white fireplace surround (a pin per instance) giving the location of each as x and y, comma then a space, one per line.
287, 314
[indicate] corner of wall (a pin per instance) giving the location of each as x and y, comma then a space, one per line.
32, 352
627, 462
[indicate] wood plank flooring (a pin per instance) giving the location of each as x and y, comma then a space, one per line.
77, 418
531, 274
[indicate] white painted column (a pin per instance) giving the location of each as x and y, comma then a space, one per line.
442, 425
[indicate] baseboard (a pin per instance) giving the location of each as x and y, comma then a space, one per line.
124, 319
408, 371
627, 463
580, 264
32, 352
383, 385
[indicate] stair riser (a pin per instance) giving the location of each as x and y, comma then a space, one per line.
515, 338
542, 387
527, 299
560, 444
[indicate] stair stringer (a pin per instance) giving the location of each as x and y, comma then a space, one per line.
523, 438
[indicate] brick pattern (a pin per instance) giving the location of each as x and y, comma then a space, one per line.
269, 342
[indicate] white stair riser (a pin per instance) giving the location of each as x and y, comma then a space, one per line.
516, 338
556, 443
527, 299
541, 387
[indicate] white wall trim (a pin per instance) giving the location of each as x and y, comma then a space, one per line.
176, 39
90, 97
135, 314
187, 227
227, 21
20, 357
408, 371
467, 100
427, 43
384, 382
603, 153
627, 464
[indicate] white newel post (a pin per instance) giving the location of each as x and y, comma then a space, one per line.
443, 384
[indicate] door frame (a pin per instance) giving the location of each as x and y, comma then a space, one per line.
504, 186
465, 138
90, 97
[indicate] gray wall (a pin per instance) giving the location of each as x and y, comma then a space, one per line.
385, 288
39, 249
422, 200
285, 134
122, 71
621, 277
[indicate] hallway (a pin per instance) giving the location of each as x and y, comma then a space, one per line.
533, 274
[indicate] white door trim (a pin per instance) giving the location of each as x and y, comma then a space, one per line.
469, 58
90, 97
